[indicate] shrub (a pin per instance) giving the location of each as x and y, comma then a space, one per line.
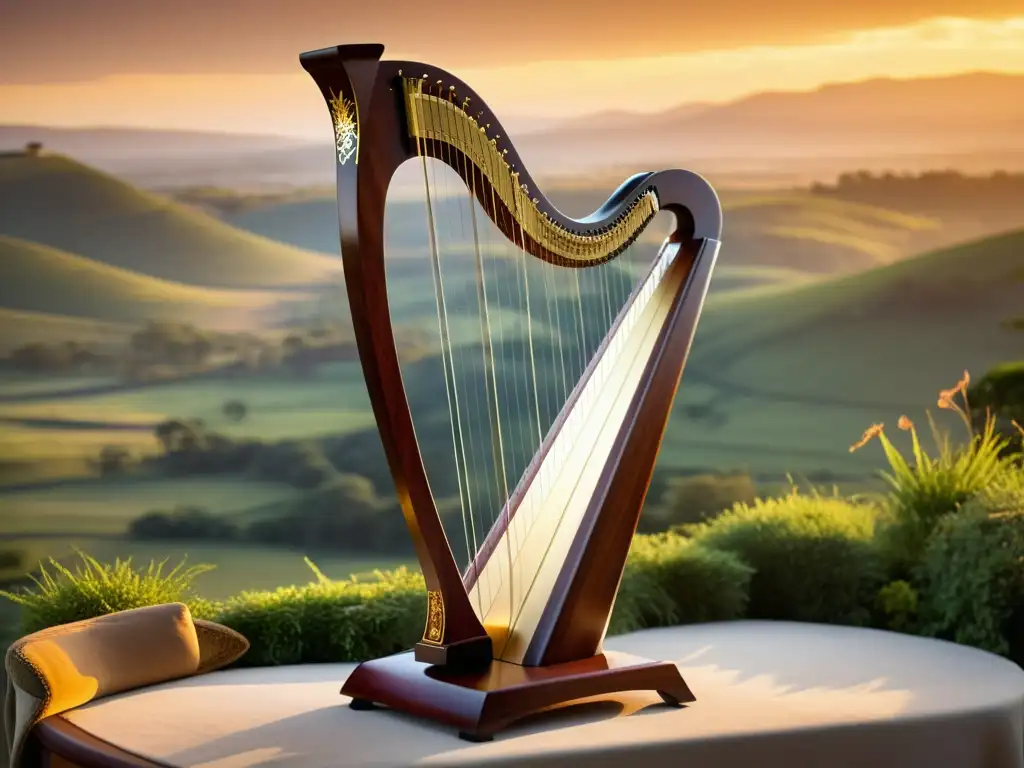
11, 559
114, 459
182, 523
1001, 391
330, 621
95, 589
813, 556
670, 580
301, 464
236, 410
973, 582
696, 498
922, 492
897, 604
344, 511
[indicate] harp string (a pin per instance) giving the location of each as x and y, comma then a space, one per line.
483, 506
447, 359
539, 334
457, 348
491, 381
467, 369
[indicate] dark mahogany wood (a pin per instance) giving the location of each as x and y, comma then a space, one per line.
57, 743
465, 687
478, 704
573, 624
354, 72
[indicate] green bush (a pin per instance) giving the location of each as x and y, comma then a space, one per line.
671, 580
972, 576
1000, 391
813, 556
330, 621
182, 523
668, 580
95, 589
692, 499
897, 604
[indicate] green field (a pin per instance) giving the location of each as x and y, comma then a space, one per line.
106, 507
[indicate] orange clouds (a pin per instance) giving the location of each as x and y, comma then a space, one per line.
290, 104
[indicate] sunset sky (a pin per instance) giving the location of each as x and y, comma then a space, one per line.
233, 66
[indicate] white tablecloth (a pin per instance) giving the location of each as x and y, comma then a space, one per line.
768, 694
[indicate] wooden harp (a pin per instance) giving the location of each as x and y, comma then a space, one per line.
557, 487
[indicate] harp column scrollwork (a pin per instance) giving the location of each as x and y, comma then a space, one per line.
346, 128
521, 627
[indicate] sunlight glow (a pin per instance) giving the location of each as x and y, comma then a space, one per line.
290, 104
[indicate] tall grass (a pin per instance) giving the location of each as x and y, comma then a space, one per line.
925, 488
95, 589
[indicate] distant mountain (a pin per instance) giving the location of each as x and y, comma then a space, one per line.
974, 122
620, 119
103, 145
55, 201
979, 112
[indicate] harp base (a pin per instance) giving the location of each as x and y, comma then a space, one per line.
473, 654
479, 704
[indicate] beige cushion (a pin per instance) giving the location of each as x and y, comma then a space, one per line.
63, 667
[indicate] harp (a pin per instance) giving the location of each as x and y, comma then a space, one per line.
550, 432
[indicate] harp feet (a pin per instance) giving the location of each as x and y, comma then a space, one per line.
476, 738
362, 705
671, 700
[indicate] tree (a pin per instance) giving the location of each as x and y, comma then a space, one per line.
114, 459
236, 410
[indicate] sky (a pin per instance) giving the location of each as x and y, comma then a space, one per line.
229, 65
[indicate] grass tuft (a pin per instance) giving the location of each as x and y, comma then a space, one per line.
94, 589
925, 488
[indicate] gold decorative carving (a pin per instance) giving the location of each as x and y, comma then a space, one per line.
435, 618
441, 119
346, 128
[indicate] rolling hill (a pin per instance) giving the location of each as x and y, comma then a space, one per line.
40, 279
892, 334
785, 230
784, 380
19, 328
55, 201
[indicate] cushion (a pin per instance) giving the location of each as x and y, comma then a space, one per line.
63, 667
218, 645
